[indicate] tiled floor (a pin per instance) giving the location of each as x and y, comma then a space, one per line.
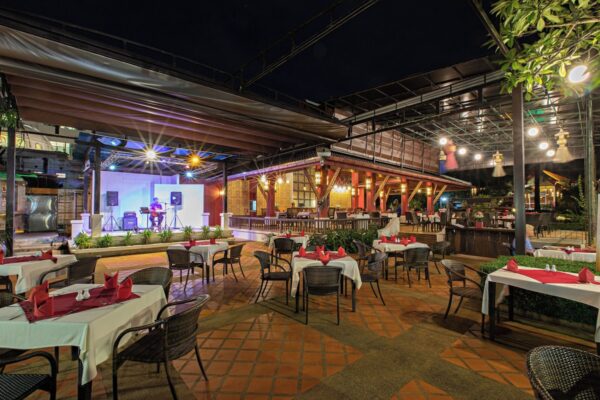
404, 350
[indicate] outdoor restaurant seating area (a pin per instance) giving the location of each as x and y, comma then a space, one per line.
387, 201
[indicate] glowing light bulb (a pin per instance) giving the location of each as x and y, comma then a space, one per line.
478, 157
533, 131
189, 174
462, 151
443, 141
550, 153
112, 167
150, 154
578, 74
543, 145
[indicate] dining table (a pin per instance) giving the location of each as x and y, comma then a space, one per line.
92, 332
393, 247
567, 254
301, 239
29, 272
202, 252
350, 270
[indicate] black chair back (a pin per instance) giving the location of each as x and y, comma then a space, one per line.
375, 214
417, 256
181, 329
363, 252
455, 271
154, 276
331, 213
178, 257
376, 263
6, 299
440, 248
284, 245
235, 252
341, 215
264, 259
509, 247
82, 271
322, 281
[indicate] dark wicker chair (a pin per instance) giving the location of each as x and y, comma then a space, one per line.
418, 259
283, 246
81, 271
179, 260
439, 250
364, 251
375, 266
267, 262
168, 338
20, 386
322, 281
558, 372
154, 276
6, 284
509, 249
412, 220
232, 255
457, 273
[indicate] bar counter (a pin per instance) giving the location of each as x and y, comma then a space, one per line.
482, 242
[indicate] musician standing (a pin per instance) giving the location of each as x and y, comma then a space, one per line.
156, 214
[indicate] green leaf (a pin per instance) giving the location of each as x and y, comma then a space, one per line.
562, 71
540, 24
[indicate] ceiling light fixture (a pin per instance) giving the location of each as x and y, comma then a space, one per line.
150, 154
498, 158
443, 141
550, 153
578, 74
462, 151
477, 157
543, 145
533, 131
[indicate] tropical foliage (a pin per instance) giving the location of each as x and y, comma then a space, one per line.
128, 239
335, 238
146, 236
546, 37
165, 235
187, 232
83, 241
104, 241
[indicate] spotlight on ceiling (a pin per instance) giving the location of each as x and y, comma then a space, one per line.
533, 131
443, 141
543, 145
189, 174
112, 167
150, 154
578, 74
195, 159
550, 153
462, 151
477, 157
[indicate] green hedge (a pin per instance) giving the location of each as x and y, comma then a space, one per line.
343, 237
549, 306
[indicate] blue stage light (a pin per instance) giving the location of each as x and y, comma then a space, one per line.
112, 167
189, 174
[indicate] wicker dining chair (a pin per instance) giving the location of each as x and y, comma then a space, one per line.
268, 263
439, 250
168, 338
509, 249
154, 276
417, 259
376, 263
411, 220
232, 255
322, 281
20, 386
557, 372
179, 260
6, 284
457, 285
81, 271
283, 246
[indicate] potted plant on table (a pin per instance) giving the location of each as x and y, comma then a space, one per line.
478, 217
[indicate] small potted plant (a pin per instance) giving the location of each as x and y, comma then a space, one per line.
478, 216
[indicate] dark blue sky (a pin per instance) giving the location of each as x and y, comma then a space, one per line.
391, 40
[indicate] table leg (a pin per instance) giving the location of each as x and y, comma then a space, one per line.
511, 305
598, 348
353, 297
492, 309
298, 298
84, 390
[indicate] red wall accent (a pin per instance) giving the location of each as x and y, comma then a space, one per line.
213, 203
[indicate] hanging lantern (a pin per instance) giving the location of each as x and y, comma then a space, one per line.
368, 183
451, 163
563, 154
317, 177
442, 162
498, 170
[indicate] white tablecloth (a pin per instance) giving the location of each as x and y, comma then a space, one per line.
303, 240
348, 264
203, 252
560, 254
93, 331
28, 273
583, 293
390, 247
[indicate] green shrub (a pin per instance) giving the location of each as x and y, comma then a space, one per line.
147, 236
187, 232
165, 236
205, 232
550, 306
218, 232
128, 239
83, 241
104, 241
335, 238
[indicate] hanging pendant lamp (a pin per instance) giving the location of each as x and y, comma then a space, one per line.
563, 154
450, 149
498, 169
442, 162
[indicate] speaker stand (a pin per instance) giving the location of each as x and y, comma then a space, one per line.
112, 221
176, 218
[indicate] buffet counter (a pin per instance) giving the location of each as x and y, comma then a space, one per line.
482, 242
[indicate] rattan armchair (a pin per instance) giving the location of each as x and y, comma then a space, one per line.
374, 270
283, 246
154, 276
417, 259
6, 284
20, 386
322, 281
232, 255
272, 269
179, 260
457, 274
81, 271
439, 250
167, 339
558, 372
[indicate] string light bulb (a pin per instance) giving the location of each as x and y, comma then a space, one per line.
578, 74
533, 131
462, 151
478, 157
443, 141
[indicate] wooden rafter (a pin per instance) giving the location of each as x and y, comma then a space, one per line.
330, 185
311, 182
381, 186
260, 188
415, 190
440, 193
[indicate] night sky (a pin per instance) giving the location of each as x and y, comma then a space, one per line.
391, 40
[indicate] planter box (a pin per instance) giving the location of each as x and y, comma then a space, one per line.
479, 224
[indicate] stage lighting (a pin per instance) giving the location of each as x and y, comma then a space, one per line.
150, 154
112, 167
189, 174
195, 160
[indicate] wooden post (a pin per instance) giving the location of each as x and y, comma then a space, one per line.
518, 169
354, 202
11, 172
404, 196
270, 197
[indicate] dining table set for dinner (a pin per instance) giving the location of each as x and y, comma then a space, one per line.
569, 253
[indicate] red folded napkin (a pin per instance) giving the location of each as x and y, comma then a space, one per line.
125, 289
383, 239
324, 258
288, 235
42, 308
586, 276
413, 239
40, 291
302, 233
111, 282
320, 249
192, 243
341, 252
212, 241
302, 251
1, 257
393, 238
512, 265
47, 255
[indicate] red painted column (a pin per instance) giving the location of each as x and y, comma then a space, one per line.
404, 196
270, 197
370, 206
429, 193
355, 197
